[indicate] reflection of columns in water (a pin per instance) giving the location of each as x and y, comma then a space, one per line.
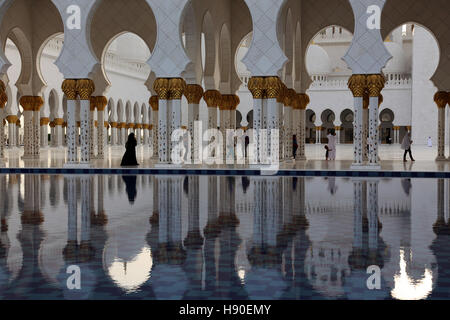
155, 215
194, 240
227, 210
373, 214
70, 251
440, 247
86, 194
357, 214
272, 215
211, 233
228, 281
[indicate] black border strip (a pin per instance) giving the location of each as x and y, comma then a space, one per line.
229, 172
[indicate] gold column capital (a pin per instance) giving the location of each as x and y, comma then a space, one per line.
93, 104
304, 101
85, 88
161, 86
58, 122
283, 93
44, 121
154, 103
375, 83
273, 87
441, 98
256, 85
193, 93
177, 86
229, 102
31, 103
357, 84
101, 102
114, 124
12, 119
212, 98
289, 97
69, 87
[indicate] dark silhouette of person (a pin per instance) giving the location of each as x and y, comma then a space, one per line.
245, 184
294, 146
129, 158
130, 182
247, 142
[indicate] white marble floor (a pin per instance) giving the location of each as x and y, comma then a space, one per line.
391, 159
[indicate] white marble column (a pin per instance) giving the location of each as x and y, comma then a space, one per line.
3, 101
365, 127
177, 87
212, 99
223, 128
301, 137
44, 132
85, 88
12, 130
272, 127
288, 125
59, 132
281, 128
70, 91
161, 86
357, 85
375, 84
2, 135
31, 106
154, 133
441, 99
101, 103
92, 106
194, 94
338, 134
256, 86
28, 134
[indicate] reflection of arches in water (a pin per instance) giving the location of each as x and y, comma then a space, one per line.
130, 182
310, 126
328, 117
387, 126
347, 118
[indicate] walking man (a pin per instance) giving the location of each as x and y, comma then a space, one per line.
406, 145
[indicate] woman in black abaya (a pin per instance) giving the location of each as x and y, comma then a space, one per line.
129, 158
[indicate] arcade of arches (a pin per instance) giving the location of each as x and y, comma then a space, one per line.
229, 68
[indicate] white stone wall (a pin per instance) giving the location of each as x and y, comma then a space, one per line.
424, 110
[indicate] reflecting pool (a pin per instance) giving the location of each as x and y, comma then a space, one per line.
212, 237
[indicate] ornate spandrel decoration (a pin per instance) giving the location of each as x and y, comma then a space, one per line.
265, 57
367, 53
169, 58
77, 60
4, 63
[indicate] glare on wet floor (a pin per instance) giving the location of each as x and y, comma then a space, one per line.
211, 237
